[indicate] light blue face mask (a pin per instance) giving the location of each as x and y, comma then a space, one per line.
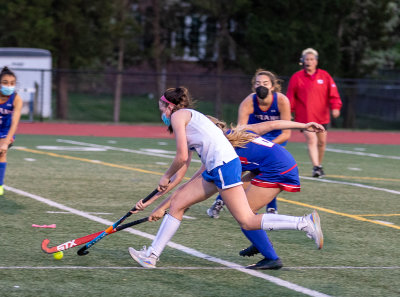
167, 121
7, 91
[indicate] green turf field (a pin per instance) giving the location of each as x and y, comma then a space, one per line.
358, 203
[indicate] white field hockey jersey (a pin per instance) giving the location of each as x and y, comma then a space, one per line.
209, 141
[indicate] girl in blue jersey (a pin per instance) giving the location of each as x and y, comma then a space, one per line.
266, 103
220, 172
271, 169
10, 113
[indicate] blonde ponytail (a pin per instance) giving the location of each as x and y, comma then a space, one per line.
237, 136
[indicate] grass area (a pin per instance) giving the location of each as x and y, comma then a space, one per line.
138, 109
142, 109
361, 225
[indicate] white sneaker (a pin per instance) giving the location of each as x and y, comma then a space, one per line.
313, 228
142, 258
214, 210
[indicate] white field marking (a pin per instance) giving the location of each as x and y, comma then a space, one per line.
188, 217
186, 268
67, 212
350, 184
158, 151
166, 156
195, 160
161, 163
112, 141
70, 148
29, 159
385, 222
162, 143
121, 149
18, 147
182, 248
362, 154
360, 149
354, 169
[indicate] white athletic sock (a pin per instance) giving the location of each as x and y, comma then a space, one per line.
280, 222
167, 229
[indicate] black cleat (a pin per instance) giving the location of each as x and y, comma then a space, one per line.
249, 252
266, 264
318, 172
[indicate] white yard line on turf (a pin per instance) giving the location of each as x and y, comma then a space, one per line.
169, 156
324, 180
184, 267
361, 154
120, 149
182, 248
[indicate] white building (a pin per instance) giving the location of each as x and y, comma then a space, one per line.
31, 66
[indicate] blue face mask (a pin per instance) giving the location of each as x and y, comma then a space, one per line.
7, 91
167, 121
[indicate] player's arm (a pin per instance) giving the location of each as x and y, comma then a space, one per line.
245, 109
335, 103
179, 120
160, 210
284, 109
175, 180
265, 127
14, 124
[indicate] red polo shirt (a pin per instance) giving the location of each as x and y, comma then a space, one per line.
313, 96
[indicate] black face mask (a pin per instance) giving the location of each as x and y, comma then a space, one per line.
262, 92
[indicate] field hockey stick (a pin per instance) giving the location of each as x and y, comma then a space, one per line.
82, 240
83, 250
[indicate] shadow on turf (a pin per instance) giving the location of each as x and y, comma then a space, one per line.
9, 206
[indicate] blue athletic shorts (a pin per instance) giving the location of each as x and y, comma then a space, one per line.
225, 176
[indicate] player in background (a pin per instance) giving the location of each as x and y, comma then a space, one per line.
220, 172
313, 94
266, 103
10, 113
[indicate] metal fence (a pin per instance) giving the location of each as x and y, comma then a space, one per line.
372, 99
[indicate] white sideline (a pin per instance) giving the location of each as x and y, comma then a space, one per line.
184, 267
361, 154
182, 248
324, 180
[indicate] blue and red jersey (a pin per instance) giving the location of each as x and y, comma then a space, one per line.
6, 110
272, 114
272, 164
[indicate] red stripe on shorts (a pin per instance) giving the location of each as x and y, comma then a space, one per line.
294, 166
284, 187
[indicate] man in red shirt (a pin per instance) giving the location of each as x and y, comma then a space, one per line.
313, 94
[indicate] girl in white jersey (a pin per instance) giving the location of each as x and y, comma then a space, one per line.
220, 172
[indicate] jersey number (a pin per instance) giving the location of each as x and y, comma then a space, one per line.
263, 141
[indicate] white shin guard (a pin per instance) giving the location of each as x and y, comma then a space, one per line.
167, 229
280, 222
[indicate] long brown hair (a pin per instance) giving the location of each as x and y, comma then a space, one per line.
237, 136
180, 97
276, 82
